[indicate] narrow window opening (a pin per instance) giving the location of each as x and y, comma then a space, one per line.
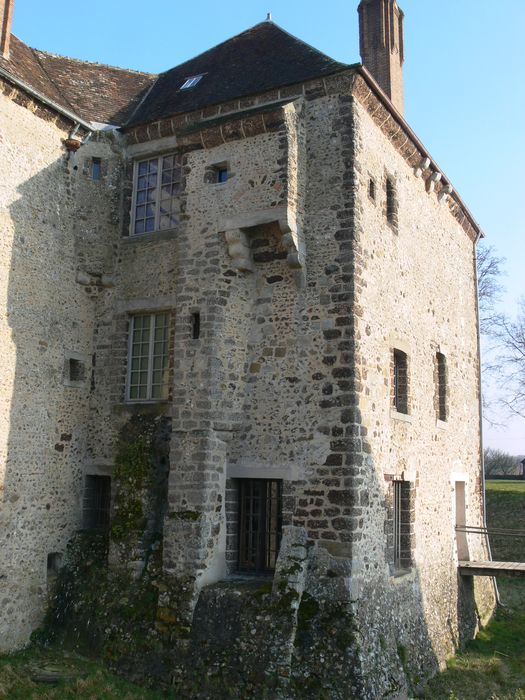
54, 564
391, 204
400, 381
402, 526
372, 189
96, 168
77, 370
97, 502
260, 524
441, 388
195, 325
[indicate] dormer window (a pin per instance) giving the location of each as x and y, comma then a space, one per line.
190, 82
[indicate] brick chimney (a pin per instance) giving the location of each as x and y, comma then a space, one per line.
381, 46
6, 18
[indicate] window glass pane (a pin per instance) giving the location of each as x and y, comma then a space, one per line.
143, 167
148, 369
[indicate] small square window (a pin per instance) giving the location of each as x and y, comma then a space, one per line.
191, 82
222, 174
77, 370
96, 168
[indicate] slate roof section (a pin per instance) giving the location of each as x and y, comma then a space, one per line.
93, 91
260, 59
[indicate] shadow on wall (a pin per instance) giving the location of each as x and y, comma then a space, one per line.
45, 357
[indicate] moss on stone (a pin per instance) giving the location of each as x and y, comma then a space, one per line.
308, 610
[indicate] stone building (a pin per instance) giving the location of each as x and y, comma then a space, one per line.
226, 346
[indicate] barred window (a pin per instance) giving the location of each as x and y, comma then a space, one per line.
148, 357
157, 187
441, 386
391, 202
400, 381
402, 525
260, 524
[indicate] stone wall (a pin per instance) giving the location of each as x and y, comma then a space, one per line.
53, 221
304, 282
415, 292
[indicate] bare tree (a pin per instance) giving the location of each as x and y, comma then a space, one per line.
489, 285
510, 337
500, 463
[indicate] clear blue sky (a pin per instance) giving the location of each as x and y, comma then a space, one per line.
464, 84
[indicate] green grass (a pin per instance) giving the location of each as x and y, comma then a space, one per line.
505, 486
493, 666
86, 680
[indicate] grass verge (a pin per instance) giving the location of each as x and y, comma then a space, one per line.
35, 674
492, 667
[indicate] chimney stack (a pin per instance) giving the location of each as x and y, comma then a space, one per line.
381, 46
6, 19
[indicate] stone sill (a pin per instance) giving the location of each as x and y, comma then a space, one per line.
402, 575
147, 407
404, 417
152, 236
441, 424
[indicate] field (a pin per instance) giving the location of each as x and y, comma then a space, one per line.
491, 668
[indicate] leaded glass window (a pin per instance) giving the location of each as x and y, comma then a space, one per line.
158, 184
148, 357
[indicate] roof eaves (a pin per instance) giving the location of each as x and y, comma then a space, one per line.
129, 124
371, 82
45, 100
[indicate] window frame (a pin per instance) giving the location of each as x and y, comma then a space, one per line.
402, 526
400, 389
255, 553
441, 387
96, 503
151, 342
134, 193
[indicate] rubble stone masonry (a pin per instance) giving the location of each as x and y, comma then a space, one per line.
305, 281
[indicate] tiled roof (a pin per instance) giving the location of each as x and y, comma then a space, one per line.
261, 58
93, 91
